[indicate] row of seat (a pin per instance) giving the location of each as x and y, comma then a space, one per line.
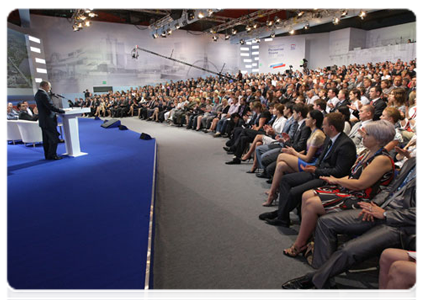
29, 132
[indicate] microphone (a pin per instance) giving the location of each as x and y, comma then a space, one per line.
57, 95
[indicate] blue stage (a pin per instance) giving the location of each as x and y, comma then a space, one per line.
81, 223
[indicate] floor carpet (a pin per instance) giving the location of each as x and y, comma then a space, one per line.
80, 223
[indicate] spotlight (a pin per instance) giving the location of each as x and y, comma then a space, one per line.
241, 41
300, 14
177, 26
269, 23
273, 35
87, 23
227, 37
92, 15
248, 28
212, 31
234, 31
255, 25
215, 38
277, 20
191, 15
362, 14
155, 35
306, 26
292, 31
210, 12
201, 15
344, 13
335, 21
163, 34
169, 31
257, 40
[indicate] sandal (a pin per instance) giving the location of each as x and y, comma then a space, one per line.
294, 251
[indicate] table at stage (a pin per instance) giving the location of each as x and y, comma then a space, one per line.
71, 131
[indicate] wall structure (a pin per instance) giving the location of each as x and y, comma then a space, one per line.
101, 55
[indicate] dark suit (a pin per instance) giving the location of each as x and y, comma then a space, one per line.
299, 143
379, 106
374, 237
48, 122
336, 161
24, 115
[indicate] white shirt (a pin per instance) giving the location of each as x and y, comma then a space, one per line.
332, 101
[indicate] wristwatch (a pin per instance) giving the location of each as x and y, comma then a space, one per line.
384, 214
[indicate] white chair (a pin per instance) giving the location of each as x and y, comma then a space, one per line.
13, 133
30, 132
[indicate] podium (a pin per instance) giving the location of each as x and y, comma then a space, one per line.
71, 131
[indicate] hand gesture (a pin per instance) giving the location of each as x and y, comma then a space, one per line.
370, 211
329, 179
308, 168
402, 152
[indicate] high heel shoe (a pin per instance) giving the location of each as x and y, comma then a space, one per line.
251, 171
246, 159
293, 251
267, 204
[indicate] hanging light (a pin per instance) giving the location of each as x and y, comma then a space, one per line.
234, 31
201, 15
177, 26
87, 23
248, 28
169, 31
227, 36
272, 35
215, 38
255, 25
344, 13
269, 23
292, 31
155, 35
277, 20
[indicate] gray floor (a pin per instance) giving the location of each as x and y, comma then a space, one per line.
208, 235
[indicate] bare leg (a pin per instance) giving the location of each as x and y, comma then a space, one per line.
199, 122
387, 265
402, 275
214, 124
255, 164
312, 208
281, 169
258, 138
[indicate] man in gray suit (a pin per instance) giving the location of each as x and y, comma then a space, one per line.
380, 224
365, 114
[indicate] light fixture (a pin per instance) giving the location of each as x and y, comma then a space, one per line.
82, 18
300, 14
292, 31
212, 31
362, 14
241, 41
306, 26
248, 28
227, 36
177, 26
272, 35
234, 31
277, 20
163, 34
335, 21
210, 12
344, 13
169, 31
87, 23
155, 35
201, 15
255, 25
215, 38
269, 23
191, 15
257, 40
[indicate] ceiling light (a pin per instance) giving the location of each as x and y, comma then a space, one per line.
269, 23
344, 13
169, 31
362, 14
335, 21
234, 31
300, 14
255, 25
191, 15
177, 26
248, 28
155, 35
87, 23
201, 15
277, 20
241, 41
272, 35
292, 31
210, 12
227, 36
306, 26
215, 38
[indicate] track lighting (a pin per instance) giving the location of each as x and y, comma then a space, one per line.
335, 21
362, 14
241, 41
306, 26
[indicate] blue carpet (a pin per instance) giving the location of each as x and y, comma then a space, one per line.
80, 223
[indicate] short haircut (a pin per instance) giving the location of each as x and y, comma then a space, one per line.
345, 111
321, 103
318, 116
369, 108
336, 119
335, 90
44, 83
290, 106
383, 131
301, 108
394, 113
378, 89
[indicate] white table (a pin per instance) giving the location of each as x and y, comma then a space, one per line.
71, 131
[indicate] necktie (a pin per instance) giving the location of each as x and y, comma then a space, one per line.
327, 150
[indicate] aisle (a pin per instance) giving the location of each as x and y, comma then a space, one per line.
208, 235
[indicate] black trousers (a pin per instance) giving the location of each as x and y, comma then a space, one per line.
50, 141
291, 189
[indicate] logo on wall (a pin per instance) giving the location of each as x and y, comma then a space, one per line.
275, 66
293, 46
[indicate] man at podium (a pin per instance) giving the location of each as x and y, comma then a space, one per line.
48, 120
